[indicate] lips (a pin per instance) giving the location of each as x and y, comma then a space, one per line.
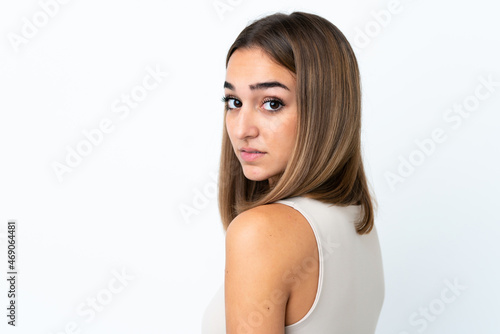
251, 150
250, 156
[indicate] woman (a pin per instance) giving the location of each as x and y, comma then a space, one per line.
302, 253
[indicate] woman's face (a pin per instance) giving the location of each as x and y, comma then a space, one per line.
261, 113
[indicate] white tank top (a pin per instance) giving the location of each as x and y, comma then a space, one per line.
350, 290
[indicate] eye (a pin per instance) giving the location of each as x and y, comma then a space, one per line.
273, 104
231, 102
234, 103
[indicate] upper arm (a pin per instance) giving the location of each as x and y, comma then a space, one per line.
256, 260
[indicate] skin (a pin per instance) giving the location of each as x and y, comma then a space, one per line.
255, 118
267, 285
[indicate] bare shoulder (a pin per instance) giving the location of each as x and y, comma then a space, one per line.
278, 228
277, 218
263, 245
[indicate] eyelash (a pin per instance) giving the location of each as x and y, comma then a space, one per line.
227, 98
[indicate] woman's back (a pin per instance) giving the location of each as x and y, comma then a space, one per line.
350, 285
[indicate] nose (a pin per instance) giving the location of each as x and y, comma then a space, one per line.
243, 123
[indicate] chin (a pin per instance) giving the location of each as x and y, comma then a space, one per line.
254, 175
254, 178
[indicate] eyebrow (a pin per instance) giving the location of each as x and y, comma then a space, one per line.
260, 85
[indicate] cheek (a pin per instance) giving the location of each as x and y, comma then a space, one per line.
288, 130
275, 126
229, 127
291, 134
283, 133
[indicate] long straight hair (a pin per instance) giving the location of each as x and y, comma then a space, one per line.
326, 163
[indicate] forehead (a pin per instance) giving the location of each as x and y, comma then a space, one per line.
249, 65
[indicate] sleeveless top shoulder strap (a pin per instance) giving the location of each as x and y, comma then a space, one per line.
350, 283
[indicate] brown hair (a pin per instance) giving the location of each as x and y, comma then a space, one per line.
326, 163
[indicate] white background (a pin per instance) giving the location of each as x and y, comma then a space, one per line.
120, 208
